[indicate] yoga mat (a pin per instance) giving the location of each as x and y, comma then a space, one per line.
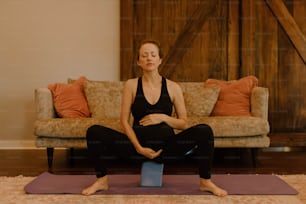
235, 184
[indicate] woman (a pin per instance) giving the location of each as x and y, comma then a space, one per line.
150, 99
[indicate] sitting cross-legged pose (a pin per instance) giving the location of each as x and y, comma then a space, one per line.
150, 99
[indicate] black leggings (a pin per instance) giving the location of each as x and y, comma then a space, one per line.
103, 142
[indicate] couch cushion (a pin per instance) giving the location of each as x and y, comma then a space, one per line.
234, 97
238, 126
223, 126
71, 128
104, 98
245, 142
199, 100
69, 99
222, 142
42, 141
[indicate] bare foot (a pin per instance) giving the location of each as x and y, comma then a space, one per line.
99, 185
208, 185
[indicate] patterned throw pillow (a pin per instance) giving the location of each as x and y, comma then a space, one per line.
199, 100
234, 97
104, 98
69, 99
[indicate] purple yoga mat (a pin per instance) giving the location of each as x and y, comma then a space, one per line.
235, 184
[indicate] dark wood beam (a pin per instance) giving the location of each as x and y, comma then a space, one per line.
233, 40
288, 23
248, 46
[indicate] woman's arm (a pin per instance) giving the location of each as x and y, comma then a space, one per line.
176, 94
126, 103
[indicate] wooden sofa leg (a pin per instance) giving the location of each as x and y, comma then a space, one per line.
71, 156
50, 151
254, 152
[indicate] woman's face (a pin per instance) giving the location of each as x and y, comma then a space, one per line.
149, 57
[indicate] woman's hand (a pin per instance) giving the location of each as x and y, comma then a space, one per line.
157, 118
152, 119
149, 153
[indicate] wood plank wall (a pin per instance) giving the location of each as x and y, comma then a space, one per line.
228, 39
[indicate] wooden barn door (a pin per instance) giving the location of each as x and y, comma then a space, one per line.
193, 34
273, 48
228, 39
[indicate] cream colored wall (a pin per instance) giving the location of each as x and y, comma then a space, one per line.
47, 41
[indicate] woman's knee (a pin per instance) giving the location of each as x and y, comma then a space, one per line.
94, 131
204, 129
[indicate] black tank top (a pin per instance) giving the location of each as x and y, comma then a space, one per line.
141, 107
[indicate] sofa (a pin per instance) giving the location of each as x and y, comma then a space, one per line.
100, 101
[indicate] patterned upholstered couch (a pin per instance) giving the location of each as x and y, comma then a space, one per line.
104, 100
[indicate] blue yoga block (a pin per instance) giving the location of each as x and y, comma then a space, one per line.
152, 174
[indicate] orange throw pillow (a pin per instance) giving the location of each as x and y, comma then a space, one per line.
69, 99
234, 96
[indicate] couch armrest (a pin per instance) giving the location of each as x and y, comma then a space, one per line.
44, 104
259, 102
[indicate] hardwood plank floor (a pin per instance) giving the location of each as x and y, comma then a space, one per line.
228, 161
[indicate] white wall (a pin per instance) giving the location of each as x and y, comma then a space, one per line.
47, 41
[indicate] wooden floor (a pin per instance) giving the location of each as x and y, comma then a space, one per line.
227, 161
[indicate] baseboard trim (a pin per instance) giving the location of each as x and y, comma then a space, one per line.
17, 144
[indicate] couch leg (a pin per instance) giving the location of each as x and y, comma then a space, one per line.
50, 151
71, 156
254, 152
